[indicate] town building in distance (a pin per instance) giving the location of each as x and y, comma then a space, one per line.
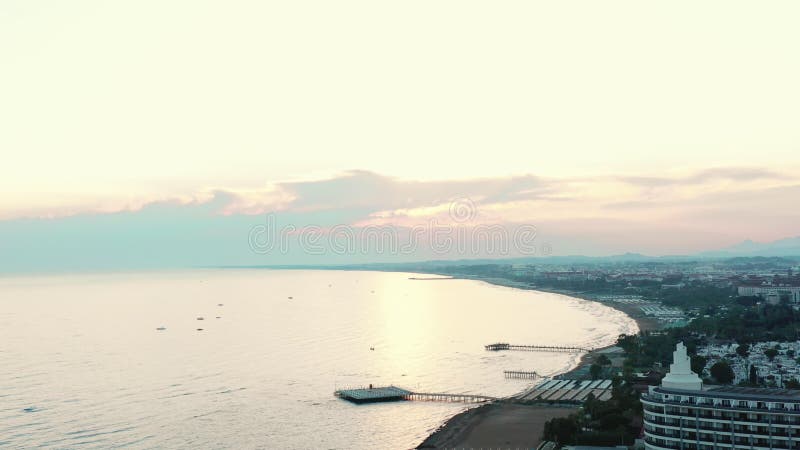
772, 293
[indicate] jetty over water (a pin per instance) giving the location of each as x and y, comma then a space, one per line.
462, 398
531, 375
536, 348
394, 394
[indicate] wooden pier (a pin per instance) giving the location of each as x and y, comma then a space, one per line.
394, 393
522, 374
536, 348
462, 398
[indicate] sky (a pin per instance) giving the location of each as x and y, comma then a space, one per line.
661, 128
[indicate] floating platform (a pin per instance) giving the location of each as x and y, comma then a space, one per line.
374, 395
394, 394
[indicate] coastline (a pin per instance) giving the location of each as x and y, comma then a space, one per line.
643, 322
496, 423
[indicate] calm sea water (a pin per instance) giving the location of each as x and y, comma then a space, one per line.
82, 364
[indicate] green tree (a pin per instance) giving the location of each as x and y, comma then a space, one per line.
595, 370
698, 364
561, 429
722, 372
771, 353
603, 360
743, 350
792, 384
753, 375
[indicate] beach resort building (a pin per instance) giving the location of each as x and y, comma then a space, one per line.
682, 414
772, 293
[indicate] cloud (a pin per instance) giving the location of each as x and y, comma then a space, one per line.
255, 201
499, 198
604, 214
732, 174
374, 192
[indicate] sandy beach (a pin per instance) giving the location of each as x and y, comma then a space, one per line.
631, 310
498, 425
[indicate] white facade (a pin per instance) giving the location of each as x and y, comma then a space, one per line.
680, 374
720, 417
771, 292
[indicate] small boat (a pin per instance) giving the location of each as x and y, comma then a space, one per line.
199, 329
372, 348
291, 298
200, 318
161, 328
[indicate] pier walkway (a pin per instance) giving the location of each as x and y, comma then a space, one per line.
536, 348
522, 374
463, 398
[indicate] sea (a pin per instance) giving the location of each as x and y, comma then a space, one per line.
250, 358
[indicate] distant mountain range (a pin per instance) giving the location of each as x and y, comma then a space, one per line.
782, 247
785, 250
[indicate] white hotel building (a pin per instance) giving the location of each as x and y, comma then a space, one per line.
771, 293
681, 414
